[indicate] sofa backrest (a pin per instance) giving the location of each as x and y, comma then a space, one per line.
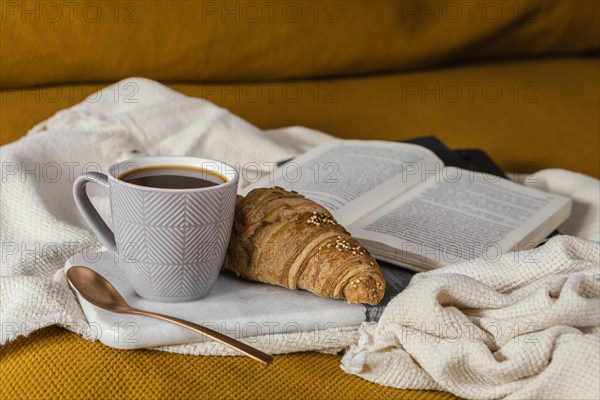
51, 42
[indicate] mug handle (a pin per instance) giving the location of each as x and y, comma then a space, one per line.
87, 209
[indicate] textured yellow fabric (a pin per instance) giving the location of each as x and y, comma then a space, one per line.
54, 363
90, 41
527, 115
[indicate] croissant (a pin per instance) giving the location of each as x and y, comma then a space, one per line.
282, 238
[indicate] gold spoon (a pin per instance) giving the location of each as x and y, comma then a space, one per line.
97, 290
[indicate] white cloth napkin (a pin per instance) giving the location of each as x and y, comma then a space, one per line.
41, 227
524, 326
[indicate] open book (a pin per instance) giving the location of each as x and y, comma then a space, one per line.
407, 208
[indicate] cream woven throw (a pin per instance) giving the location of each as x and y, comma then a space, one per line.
41, 228
524, 326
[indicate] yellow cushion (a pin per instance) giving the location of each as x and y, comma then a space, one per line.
54, 363
527, 115
91, 41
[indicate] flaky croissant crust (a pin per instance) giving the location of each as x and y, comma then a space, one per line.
282, 238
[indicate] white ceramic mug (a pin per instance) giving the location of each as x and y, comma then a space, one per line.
170, 243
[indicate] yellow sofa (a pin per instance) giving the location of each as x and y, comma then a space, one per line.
518, 79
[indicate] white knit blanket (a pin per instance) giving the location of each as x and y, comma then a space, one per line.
531, 320
525, 326
41, 227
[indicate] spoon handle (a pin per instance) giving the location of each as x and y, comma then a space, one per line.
217, 336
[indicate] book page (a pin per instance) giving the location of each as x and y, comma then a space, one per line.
353, 177
457, 216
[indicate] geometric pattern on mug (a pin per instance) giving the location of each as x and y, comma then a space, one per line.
170, 280
171, 245
168, 208
164, 234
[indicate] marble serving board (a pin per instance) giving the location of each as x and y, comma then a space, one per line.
235, 307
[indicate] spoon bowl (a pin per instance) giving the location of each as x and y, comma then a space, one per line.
97, 290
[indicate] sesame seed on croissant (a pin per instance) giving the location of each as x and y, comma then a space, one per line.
282, 238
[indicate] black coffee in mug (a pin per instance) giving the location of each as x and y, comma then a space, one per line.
172, 177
